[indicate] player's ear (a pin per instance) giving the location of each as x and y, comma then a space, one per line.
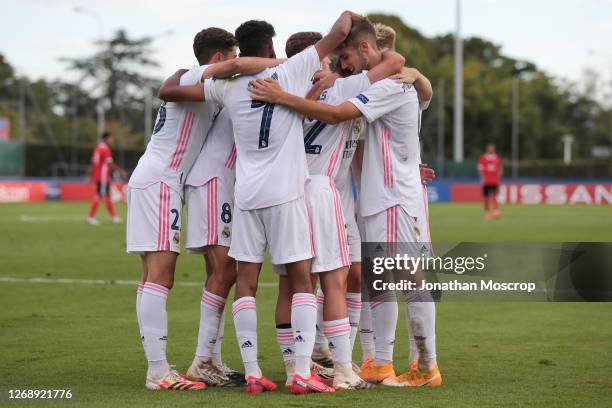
364, 46
271, 53
217, 57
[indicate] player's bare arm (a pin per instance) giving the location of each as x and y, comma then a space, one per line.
392, 63
324, 83
338, 33
269, 90
242, 65
172, 91
420, 82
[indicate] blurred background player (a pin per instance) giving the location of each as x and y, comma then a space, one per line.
100, 172
491, 170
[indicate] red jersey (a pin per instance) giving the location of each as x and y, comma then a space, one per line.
101, 159
490, 166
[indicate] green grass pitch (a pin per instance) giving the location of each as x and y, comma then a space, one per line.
83, 336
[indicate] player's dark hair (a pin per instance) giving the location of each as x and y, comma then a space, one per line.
361, 30
106, 135
298, 42
211, 40
255, 38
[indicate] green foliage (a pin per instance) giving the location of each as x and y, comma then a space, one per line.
61, 112
547, 110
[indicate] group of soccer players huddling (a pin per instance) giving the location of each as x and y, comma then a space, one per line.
265, 154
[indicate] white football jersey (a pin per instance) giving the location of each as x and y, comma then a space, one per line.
390, 172
218, 155
178, 136
271, 167
330, 148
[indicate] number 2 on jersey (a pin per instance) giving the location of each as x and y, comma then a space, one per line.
310, 137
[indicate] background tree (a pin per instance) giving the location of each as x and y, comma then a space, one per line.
117, 70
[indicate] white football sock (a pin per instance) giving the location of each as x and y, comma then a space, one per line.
138, 298
303, 322
320, 340
155, 328
353, 304
338, 332
245, 321
421, 312
384, 322
216, 351
211, 308
366, 334
284, 337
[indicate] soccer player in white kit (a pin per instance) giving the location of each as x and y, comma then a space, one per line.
155, 194
385, 39
209, 192
328, 151
391, 193
209, 203
271, 209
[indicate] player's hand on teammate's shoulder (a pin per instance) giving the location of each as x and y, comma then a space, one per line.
266, 90
395, 59
407, 76
326, 80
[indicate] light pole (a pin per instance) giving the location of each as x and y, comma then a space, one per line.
100, 110
515, 123
567, 140
458, 133
440, 149
609, 57
519, 69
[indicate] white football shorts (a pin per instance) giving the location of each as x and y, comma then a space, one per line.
153, 219
392, 225
209, 211
284, 229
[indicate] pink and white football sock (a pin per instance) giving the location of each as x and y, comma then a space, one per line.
303, 322
211, 308
245, 321
155, 327
353, 304
338, 334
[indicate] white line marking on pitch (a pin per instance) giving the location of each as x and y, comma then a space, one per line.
67, 281
51, 218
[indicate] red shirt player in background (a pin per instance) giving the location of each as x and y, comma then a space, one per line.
100, 172
490, 169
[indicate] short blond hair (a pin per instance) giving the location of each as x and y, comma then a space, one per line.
385, 36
